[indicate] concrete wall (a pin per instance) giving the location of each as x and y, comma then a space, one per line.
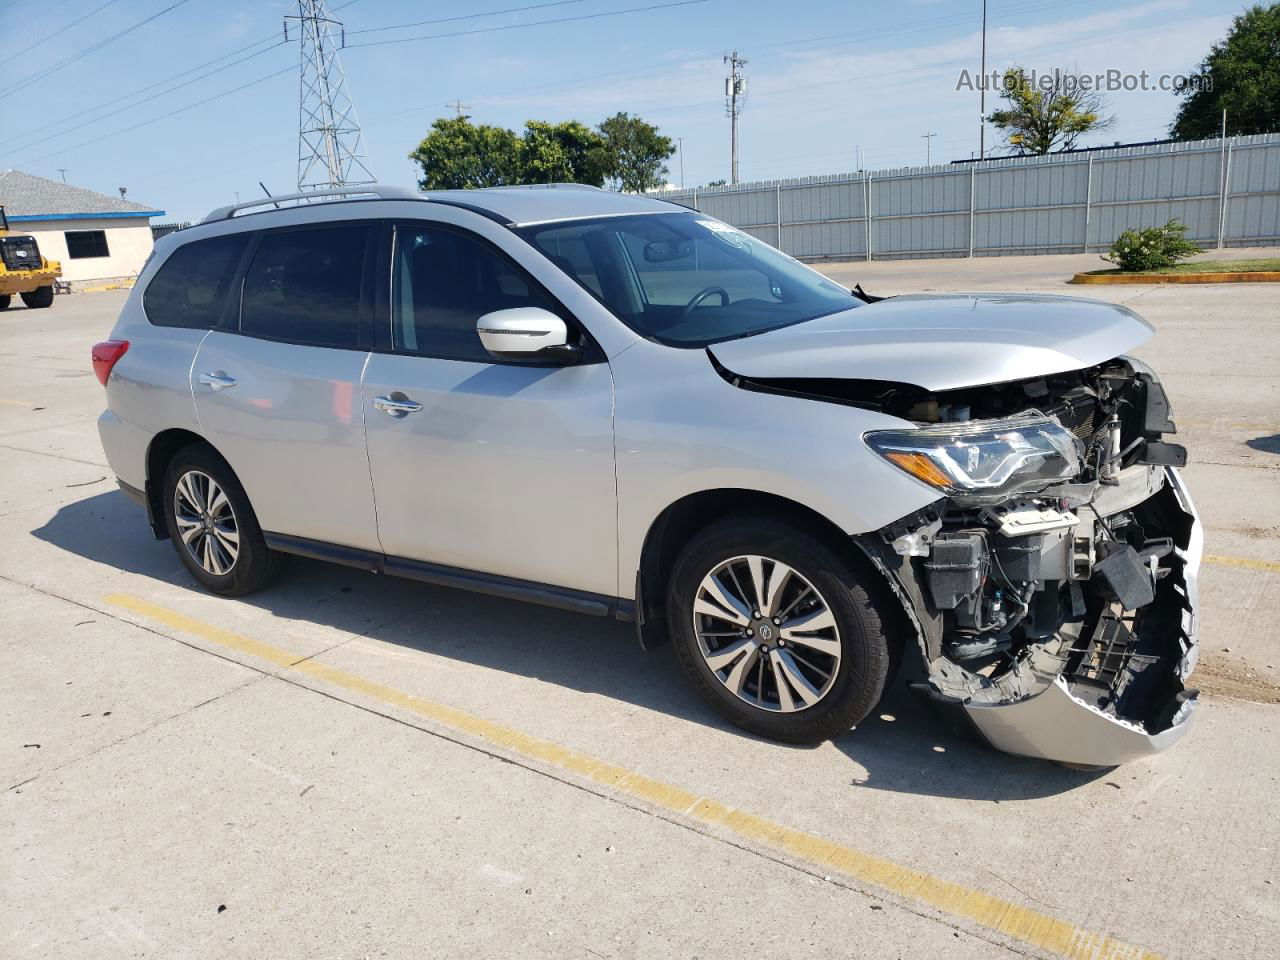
128, 240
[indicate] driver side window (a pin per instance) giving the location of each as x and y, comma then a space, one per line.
444, 281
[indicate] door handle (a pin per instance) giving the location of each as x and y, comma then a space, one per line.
396, 404
217, 380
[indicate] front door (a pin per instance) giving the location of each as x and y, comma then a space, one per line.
280, 395
498, 467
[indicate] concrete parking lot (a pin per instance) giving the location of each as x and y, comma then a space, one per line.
353, 766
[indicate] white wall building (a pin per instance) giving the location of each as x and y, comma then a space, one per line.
97, 238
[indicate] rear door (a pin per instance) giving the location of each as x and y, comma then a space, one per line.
500, 467
278, 390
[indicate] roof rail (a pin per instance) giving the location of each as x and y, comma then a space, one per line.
564, 185
382, 191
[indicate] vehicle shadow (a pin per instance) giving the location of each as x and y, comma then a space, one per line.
1270, 444
902, 746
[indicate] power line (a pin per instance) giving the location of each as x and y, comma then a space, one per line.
164, 116
521, 26
54, 68
914, 26
59, 31
464, 16
270, 76
154, 96
273, 39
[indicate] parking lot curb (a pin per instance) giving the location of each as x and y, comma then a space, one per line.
1256, 276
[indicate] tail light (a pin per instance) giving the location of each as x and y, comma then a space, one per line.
105, 355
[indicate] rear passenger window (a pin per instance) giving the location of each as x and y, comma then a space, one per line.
190, 290
443, 283
304, 286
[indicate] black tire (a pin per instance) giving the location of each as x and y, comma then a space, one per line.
4, 300
39, 297
859, 612
255, 564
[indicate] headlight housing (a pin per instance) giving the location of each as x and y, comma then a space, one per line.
983, 461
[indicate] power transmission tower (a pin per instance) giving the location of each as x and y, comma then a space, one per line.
735, 91
460, 107
331, 151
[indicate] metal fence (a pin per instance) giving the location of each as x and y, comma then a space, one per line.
159, 230
1226, 191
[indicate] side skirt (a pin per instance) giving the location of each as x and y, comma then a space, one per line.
562, 598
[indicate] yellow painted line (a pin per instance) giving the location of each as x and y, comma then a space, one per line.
1010, 919
1245, 562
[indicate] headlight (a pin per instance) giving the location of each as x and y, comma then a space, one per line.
983, 461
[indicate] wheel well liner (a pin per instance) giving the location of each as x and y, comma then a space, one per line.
160, 451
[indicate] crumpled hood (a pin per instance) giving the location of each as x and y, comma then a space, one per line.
942, 341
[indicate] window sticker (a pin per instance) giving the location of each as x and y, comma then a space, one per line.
728, 234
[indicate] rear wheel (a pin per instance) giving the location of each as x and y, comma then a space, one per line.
4, 301
776, 630
212, 525
39, 297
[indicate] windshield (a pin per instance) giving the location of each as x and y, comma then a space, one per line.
685, 279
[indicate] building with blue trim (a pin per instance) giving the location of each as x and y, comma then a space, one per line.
97, 238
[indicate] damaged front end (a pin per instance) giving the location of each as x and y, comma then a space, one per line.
1053, 584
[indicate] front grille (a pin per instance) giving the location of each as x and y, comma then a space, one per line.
20, 253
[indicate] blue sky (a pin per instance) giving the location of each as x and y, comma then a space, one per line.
828, 81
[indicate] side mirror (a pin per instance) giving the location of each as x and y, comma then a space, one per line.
527, 333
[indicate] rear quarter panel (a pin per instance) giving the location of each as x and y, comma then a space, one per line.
149, 389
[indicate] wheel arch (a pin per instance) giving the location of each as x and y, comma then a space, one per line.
679, 522
160, 451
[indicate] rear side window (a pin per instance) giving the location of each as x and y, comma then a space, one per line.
303, 286
443, 283
190, 290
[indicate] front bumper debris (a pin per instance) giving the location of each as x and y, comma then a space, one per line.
1100, 692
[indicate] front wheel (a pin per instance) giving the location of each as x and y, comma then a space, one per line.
776, 631
39, 297
4, 300
212, 526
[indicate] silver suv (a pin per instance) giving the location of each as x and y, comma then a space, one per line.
614, 405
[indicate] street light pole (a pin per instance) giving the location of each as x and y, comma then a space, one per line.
982, 90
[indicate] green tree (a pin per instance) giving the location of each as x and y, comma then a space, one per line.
1243, 74
458, 154
635, 153
1050, 113
568, 152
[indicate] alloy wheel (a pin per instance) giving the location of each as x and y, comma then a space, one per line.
767, 634
206, 522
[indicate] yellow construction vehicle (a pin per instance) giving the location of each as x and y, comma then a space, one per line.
23, 271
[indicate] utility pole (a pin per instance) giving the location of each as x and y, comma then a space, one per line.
735, 91
460, 107
928, 144
982, 90
63, 171
680, 141
331, 150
